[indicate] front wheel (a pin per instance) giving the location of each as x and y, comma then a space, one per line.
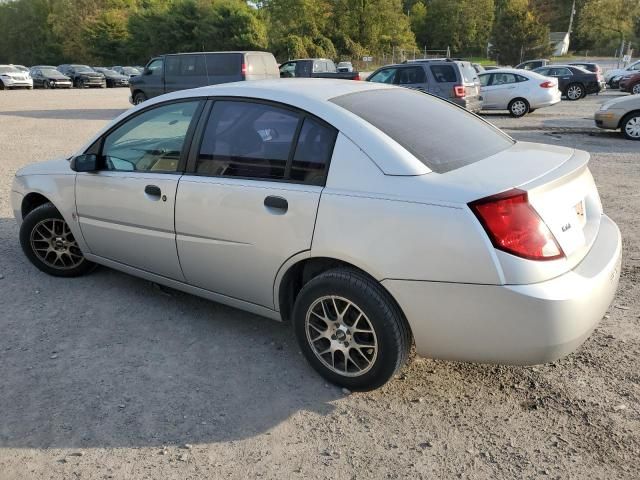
350, 329
630, 126
636, 89
575, 91
48, 243
518, 107
138, 98
46, 84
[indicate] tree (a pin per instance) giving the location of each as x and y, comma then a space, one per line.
607, 21
518, 34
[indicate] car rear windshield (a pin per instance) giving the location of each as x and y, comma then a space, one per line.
469, 73
441, 135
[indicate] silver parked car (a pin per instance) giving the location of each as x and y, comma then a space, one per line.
345, 209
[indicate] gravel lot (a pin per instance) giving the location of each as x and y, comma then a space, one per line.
108, 376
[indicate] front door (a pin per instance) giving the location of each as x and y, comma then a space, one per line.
499, 91
126, 210
250, 199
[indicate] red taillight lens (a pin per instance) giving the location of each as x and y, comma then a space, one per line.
243, 70
514, 226
459, 91
548, 84
357, 77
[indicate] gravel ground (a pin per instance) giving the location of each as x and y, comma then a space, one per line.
108, 376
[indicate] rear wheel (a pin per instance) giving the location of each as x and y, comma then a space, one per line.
630, 126
518, 107
350, 329
48, 243
46, 84
636, 89
574, 91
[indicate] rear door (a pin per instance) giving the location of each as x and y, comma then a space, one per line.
126, 210
250, 199
185, 71
412, 77
500, 90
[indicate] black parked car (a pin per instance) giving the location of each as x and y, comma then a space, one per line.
114, 79
83, 76
46, 76
574, 82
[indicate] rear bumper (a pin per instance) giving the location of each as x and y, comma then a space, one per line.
547, 100
471, 104
513, 324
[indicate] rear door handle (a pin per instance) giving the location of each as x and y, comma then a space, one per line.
153, 191
276, 203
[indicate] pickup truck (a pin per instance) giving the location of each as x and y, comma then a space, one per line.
314, 68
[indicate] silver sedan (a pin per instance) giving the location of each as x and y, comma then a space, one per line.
369, 216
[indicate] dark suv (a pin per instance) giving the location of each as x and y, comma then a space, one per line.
83, 76
180, 71
453, 80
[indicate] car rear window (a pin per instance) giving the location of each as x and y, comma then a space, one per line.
444, 73
469, 73
441, 135
223, 64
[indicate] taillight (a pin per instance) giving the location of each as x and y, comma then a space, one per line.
548, 84
458, 91
515, 227
243, 70
357, 77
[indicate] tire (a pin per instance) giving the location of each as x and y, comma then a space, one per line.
364, 305
574, 91
46, 84
630, 126
518, 107
2, 87
138, 98
41, 229
636, 89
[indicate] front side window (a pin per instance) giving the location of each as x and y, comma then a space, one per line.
503, 79
288, 70
151, 141
155, 67
484, 79
444, 73
384, 76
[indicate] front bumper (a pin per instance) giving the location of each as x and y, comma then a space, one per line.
513, 324
14, 83
609, 119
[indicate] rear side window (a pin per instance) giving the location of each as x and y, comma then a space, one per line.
409, 75
223, 64
442, 136
186, 66
313, 152
444, 73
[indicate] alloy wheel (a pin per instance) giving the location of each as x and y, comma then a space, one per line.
341, 336
636, 89
53, 243
574, 92
632, 127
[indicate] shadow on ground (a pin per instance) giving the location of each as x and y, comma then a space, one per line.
68, 114
109, 360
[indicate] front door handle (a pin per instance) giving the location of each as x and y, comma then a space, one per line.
276, 203
153, 191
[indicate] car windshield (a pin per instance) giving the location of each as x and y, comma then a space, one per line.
50, 71
131, 71
109, 71
9, 70
82, 68
441, 135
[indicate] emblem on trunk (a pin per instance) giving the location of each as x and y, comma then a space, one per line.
566, 227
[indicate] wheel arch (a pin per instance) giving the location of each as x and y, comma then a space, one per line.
300, 269
31, 201
626, 115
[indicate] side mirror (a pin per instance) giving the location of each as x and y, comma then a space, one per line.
85, 163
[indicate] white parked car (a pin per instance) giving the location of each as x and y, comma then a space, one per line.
370, 216
519, 91
12, 77
621, 72
344, 67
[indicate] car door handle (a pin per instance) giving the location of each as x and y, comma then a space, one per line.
153, 191
276, 203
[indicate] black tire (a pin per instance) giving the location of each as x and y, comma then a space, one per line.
574, 91
636, 89
518, 107
46, 84
1, 85
383, 317
624, 123
531, 110
138, 98
28, 238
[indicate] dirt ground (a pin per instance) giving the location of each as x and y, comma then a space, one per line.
108, 376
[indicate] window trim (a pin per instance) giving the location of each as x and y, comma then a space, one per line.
97, 146
198, 137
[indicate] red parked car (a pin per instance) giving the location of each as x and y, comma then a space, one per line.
631, 83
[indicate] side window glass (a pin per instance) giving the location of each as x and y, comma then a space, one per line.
155, 67
384, 76
543, 71
288, 70
410, 75
151, 141
444, 73
520, 78
503, 78
484, 80
244, 139
313, 152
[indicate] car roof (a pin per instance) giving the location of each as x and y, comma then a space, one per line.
201, 53
515, 71
310, 95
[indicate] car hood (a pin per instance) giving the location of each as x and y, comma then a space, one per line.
59, 166
56, 76
629, 102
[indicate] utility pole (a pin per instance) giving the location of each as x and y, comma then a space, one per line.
573, 12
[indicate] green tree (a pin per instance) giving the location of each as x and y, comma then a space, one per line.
518, 34
608, 21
